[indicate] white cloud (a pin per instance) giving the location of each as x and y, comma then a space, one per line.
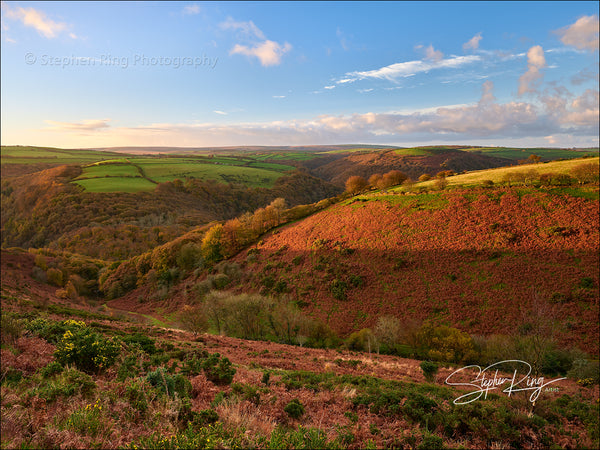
223, 113
191, 10
279, 96
535, 61
433, 54
36, 19
83, 126
473, 43
329, 87
409, 68
247, 28
583, 34
269, 53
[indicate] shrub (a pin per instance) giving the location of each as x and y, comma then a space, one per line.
54, 276
218, 369
169, 384
356, 280
86, 350
429, 369
136, 396
141, 340
338, 289
70, 382
431, 442
10, 330
51, 369
294, 409
204, 417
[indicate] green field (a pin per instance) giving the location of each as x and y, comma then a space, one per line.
497, 175
109, 170
116, 184
412, 152
28, 155
523, 153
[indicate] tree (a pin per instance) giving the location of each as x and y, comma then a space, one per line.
425, 177
584, 173
356, 184
194, 319
534, 158
387, 330
212, 246
375, 180
393, 178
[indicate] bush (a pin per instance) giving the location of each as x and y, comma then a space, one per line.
338, 289
51, 369
294, 409
169, 384
69, 383
55, 277
218, 369
429, 369
86, 350
431, 442
141, 340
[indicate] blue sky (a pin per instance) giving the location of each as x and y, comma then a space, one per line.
101, 74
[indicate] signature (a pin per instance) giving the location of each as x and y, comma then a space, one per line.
488, 380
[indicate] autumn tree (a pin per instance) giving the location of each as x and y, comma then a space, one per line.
393, 178
212, 246
375, 180
425, 177
356, 184
585, 173
193, 318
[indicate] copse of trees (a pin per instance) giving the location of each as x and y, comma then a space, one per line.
357, 184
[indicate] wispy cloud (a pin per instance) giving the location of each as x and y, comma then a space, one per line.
222, 113
279, 96
473, 43
36, 19
268, 52
555, 118
247, 28
406, 69
191, 10
583, 34
83, 126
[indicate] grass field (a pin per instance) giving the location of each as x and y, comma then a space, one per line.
497, 175
27, 155
116, 184
523, 153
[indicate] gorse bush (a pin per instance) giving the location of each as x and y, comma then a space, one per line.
169, 384
86, 350
294, 409
218, 369
429, 369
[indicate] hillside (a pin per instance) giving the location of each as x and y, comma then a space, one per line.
382, 296
165, 388
366, 164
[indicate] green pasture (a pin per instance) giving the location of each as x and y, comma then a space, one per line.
29, 155
497, 175
109, 170
411, 152
523, 153
116, 184
164, 170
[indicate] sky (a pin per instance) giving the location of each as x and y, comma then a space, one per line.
201, 74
